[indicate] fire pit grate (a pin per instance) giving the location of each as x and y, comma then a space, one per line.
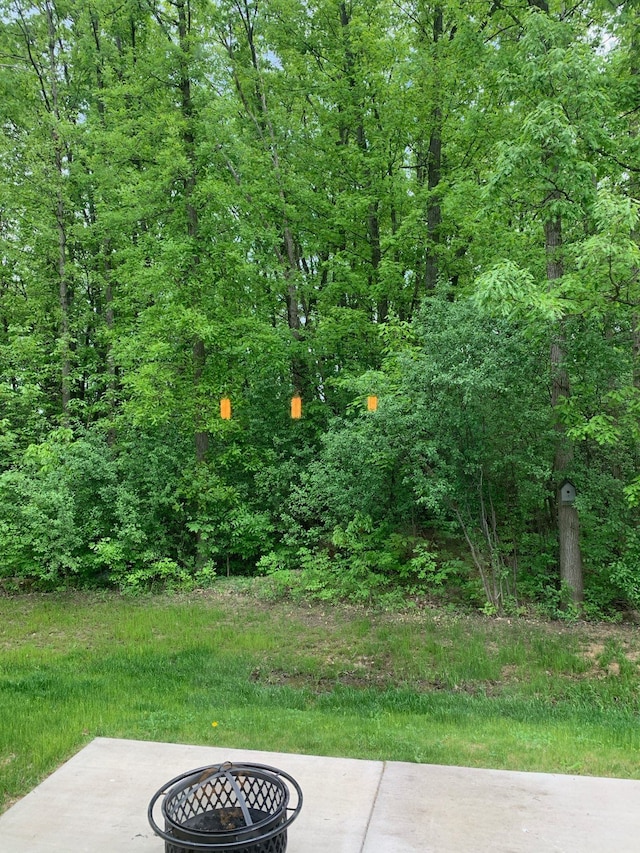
227, 808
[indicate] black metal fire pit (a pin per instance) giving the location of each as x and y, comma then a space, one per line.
239, 808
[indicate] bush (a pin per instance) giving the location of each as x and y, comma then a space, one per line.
73, 513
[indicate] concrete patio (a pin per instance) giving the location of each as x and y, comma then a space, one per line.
97, 803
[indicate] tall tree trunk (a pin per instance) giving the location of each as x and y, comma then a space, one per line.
106, 249
257, 110
634, 189
112, 379
636, 350
434, 174
568, 522
63, 295
434, 213
429, 174
382, 306
373, 218
60, 215
198, 349
199, 354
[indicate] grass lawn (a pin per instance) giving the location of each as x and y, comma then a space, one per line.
226, 667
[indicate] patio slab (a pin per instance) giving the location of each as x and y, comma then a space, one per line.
97, 803
484, 811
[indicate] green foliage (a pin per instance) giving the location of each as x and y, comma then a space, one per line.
76, 513
625, 572
163, 575
251, 202
506, 290
359, 565
37, 534
475, 426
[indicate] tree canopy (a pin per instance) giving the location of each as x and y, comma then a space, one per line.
431, 202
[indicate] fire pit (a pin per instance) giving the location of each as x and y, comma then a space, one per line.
239, 808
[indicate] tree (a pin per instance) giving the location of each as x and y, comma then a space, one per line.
42, 130
554, 84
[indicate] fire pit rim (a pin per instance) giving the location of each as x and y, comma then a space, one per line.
223, 771
168, 787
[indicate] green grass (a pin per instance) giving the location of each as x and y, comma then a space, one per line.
418, 686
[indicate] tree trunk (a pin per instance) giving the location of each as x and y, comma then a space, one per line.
633, 190
636, 349
434, 214
63, 295
429, 175
63, 289
570, 556
199, 354
112, 380
257, 110
373, 218
106, 249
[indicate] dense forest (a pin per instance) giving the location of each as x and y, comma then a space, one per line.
429, 204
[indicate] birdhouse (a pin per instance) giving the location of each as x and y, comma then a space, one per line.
372, 403
567, 492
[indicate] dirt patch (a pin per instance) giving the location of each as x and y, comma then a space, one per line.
323, 683
606, 658
509, 673
593, 651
